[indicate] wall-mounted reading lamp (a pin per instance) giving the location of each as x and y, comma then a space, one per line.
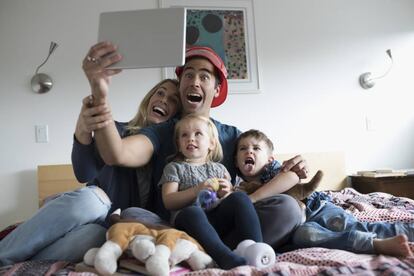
367, 81
42, 83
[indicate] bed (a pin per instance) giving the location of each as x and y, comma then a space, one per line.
312, 261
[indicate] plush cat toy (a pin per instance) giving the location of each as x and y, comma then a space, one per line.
158, 247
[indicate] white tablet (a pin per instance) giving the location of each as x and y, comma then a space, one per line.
146, 38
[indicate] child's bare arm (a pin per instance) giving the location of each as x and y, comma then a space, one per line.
174, 199
282, 182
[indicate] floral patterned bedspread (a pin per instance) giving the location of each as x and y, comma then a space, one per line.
310, 261
322, 261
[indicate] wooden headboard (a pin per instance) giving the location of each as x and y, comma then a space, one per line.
54, 179
331, 163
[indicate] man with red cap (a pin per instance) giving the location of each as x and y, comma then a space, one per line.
203, 84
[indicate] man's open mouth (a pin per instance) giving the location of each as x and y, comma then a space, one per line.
194, 98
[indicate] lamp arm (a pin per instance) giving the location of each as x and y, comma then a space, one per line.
53, 46
386, 73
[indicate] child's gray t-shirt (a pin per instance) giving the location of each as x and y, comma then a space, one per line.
188, 175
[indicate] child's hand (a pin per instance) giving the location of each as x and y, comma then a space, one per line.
225, 188
209, 184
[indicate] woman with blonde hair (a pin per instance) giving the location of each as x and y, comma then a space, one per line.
67, 226
145, 117
119, 183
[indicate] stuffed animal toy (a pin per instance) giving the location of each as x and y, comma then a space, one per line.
208, 199
158, 247
257, 254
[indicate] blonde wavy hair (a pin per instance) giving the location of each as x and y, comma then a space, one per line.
140, 120
214, 155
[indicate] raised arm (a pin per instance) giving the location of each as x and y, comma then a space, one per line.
86, 161
91, 118
133, 151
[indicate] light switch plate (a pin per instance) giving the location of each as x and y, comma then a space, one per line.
42, 133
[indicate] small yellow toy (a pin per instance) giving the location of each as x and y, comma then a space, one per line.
214, 182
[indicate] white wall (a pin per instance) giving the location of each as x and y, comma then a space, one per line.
310, 54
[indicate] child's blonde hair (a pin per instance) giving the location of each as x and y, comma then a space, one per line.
140, 119
214, 155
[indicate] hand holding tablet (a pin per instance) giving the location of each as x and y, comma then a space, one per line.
146, 38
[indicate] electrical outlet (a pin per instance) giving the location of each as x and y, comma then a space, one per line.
42, 134
370, 124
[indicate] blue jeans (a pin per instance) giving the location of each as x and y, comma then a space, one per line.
63, 229
330, 226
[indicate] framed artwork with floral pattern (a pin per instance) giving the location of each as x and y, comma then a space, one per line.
228, 28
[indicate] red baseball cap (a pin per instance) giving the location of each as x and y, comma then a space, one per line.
208, 53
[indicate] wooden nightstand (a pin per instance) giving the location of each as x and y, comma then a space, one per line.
395, 185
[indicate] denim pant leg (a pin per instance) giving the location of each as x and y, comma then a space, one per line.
332, 217
75, 244
52, 222
335, 218
386, 229
312, 234
404, 228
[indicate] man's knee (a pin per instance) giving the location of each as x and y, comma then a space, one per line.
282, 205
294, 213
279, 217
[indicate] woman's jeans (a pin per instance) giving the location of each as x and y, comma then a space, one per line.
63, 229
